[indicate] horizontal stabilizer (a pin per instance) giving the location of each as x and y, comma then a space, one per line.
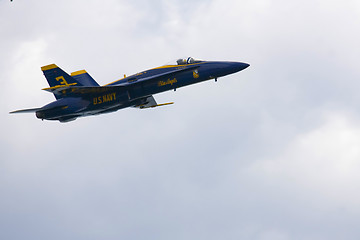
26, 110
58, 88
80, 90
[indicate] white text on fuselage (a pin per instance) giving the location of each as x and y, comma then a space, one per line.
104, 99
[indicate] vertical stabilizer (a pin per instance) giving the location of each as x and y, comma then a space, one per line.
84, 78
56, 77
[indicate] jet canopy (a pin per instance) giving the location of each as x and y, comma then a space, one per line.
184, 61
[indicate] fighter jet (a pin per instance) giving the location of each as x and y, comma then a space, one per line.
79, 95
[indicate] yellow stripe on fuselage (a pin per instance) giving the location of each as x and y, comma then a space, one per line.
48, 67
114, 81
78, 72
177, 66
165, 66
140, 73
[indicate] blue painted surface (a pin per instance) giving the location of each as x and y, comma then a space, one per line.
80, 95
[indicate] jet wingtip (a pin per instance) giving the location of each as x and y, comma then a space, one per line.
25, 110
48, 67
78, 73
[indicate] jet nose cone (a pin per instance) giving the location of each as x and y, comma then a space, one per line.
226, 68
246, 65
238, 66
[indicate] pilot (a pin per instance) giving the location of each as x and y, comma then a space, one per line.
190, 60
181, 61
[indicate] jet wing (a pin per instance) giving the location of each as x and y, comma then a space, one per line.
26, 110
149, 102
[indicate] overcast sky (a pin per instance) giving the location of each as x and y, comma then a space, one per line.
272, 152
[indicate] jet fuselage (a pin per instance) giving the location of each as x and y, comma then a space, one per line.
79, 95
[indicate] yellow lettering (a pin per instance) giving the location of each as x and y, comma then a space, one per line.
172, 81
62, 80
105, 98
168, 82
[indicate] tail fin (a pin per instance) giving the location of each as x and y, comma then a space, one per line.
84, 78
56, 77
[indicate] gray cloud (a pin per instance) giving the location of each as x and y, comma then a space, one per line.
268, 153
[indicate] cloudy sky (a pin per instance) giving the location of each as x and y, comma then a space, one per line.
272, 152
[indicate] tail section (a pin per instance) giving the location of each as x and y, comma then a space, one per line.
57, 78
84, 78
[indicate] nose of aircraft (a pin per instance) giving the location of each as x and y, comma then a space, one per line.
238, 66
225, 68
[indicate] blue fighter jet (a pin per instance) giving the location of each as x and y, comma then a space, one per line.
79, 95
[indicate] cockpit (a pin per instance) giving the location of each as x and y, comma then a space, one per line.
184, 61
